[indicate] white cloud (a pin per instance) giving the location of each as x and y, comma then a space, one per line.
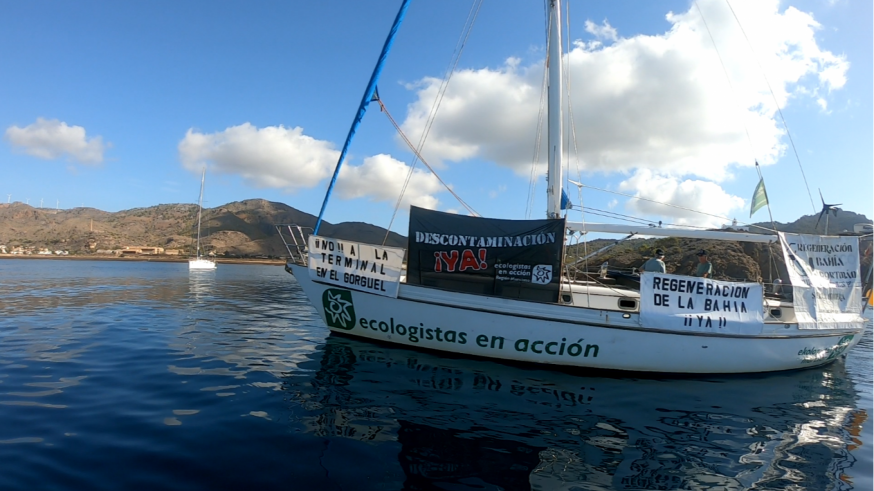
380, 178
658, 102
271, 157
834, 74
700, 196
656, 107
484, 113
50, 139
285, 158
603, 31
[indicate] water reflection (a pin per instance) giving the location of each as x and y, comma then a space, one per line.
250, 322
201, 285
476, 424
50, 287
101, 357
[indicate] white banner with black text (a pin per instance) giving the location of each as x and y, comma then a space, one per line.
686, 303
826, 284
363, 267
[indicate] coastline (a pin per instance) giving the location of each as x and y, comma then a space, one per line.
155, 259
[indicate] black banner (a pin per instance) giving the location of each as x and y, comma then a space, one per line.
508, 258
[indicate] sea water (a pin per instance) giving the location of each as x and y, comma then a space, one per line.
137, 375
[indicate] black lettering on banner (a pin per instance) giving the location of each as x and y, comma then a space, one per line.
661, 299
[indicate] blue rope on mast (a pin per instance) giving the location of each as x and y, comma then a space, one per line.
362, 108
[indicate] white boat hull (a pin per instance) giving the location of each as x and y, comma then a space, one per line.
201, 264
553, 334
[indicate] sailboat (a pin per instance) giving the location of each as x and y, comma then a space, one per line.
496, 289
199, 262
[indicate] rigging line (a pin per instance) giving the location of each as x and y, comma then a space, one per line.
570, 106
699, 227
675, 206
538, 134
459, 48
538, 138
431, 116
632, 221
608, 246
573, 136
566, 83
362, 106
618, 219
772, 264
737, 103
422, 159
727, 78
619, 216
774, 97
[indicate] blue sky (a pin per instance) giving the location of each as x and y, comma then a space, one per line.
118, 105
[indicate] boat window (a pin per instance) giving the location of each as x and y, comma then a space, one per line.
776, 313
627, 304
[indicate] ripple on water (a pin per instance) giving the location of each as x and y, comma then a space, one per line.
140, 376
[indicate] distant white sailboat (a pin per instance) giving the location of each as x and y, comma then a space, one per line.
200, 262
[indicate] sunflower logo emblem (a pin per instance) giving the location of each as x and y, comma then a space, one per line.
541, 274
339, 311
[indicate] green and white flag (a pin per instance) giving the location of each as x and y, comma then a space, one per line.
760, 197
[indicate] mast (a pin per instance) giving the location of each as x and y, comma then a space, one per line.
200, 210
365, 100
553, 177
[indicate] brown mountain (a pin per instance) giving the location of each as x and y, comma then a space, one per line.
731, 260
244, 228
247, 228
814, 224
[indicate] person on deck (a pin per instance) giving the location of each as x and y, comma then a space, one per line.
655, 264
705, 269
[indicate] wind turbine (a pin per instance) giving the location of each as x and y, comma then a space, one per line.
825, 209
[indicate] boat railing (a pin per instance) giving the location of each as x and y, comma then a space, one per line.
295, 239
629, 278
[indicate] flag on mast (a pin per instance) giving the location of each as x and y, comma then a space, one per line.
760, 197
565, 201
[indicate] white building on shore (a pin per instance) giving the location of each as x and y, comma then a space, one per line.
736, 227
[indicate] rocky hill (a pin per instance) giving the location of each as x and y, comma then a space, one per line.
731, 260
247, 229
807, 224
239, 229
